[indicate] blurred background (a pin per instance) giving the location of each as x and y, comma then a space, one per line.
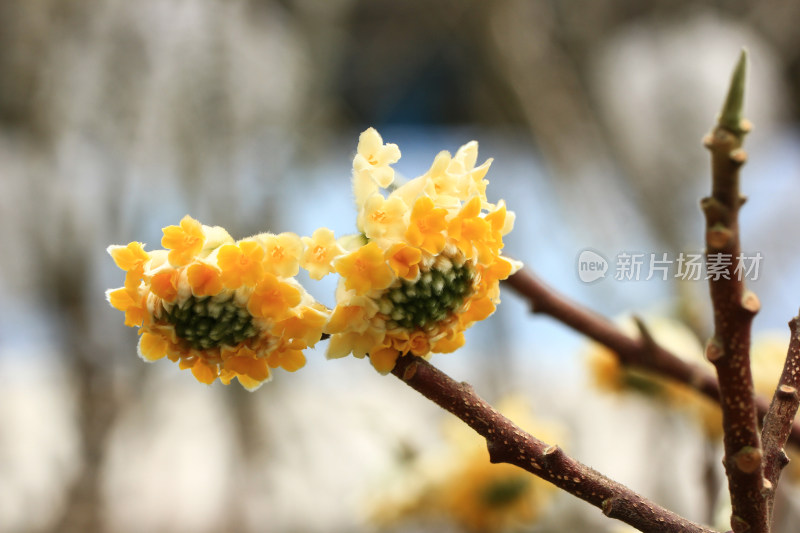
117, 118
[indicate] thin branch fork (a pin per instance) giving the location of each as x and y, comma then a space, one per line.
507, 443
782, 410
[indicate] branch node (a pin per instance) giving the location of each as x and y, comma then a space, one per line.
495, 451
738, 156
714, 350
549, 454
709, 204
718, 236
644, 332
739, 524
783, 459
766, 487
410, 370
750, 302
608, 506
787, 391
748, 459
466, 387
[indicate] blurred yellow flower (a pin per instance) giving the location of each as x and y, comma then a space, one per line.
221, 308
767, 355
428, 263
458, 483
610, 375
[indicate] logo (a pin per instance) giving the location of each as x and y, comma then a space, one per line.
591, 266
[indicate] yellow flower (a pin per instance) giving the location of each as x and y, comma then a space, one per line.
353, 317
374, 159
383, 359
431, 263
205, 280
426, 228
304, 327
273, 298
382, 217
365, 269
131, 259
164, 284
130, 302
241, 263
219, 308
458, 483
283, 253
441, 179
184, 241
320, 251
404, 260
472, 233
245, 363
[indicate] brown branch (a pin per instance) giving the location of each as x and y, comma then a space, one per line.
782, 410
507, 443
644, 354
734, 309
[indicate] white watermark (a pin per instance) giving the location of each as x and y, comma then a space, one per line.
639, 266
591, 266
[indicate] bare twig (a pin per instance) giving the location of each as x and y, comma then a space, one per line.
509, 444
782, 411
734, 309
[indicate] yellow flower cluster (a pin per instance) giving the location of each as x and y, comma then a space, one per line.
428, 263
609, 375
425, 266
225, 309
767, 355
460, 484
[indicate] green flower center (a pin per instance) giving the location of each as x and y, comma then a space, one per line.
207, 323
431, 299
504, 492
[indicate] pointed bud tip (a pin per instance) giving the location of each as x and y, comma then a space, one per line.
731, 115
